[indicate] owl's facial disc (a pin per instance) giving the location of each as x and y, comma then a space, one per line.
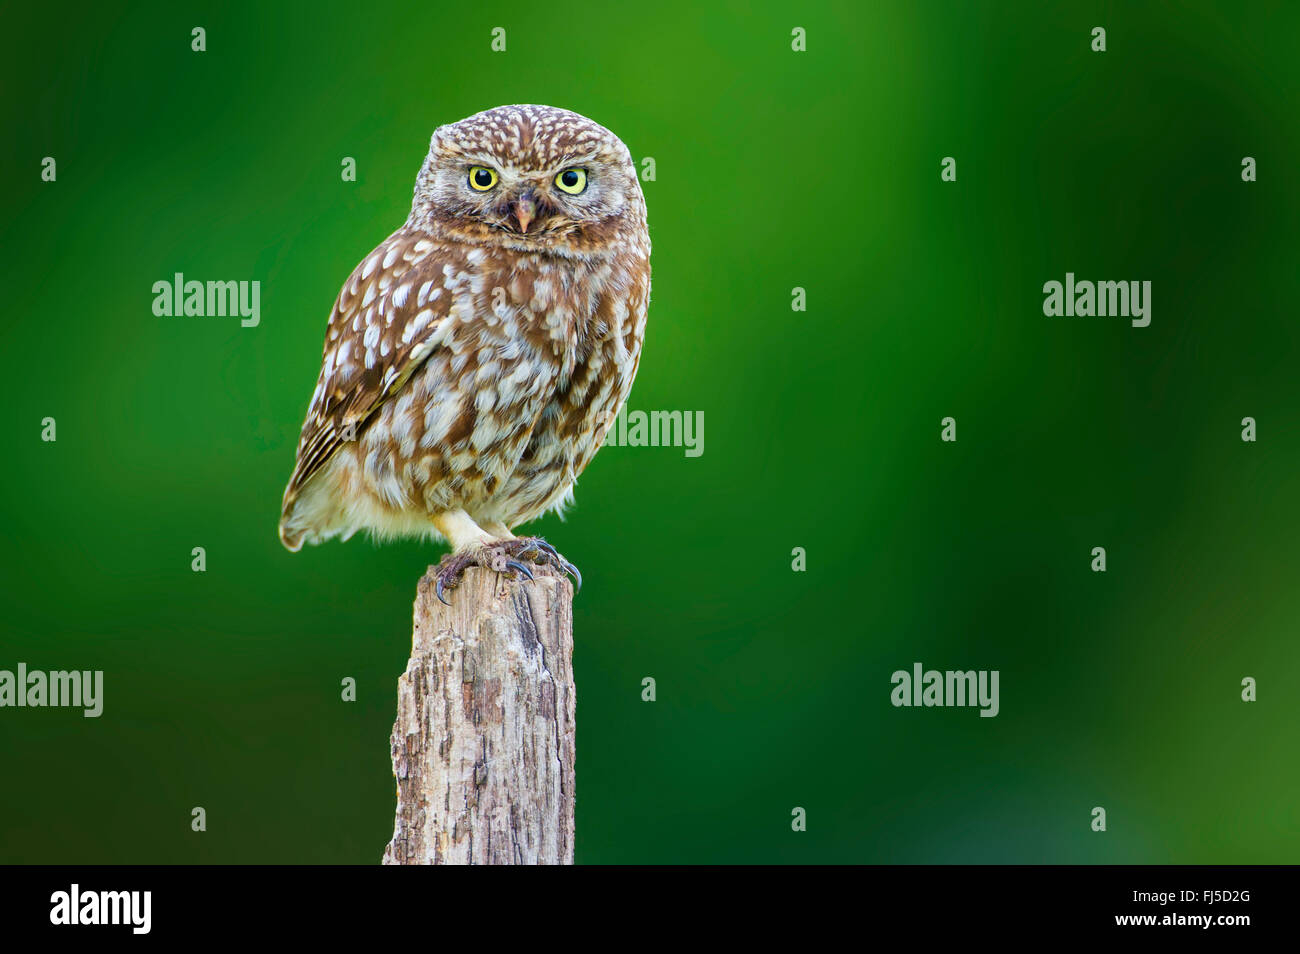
531, 204
529, 179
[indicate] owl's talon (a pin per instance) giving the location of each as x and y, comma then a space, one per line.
509, 556
563, 565
539, 544
543, 554
449, 572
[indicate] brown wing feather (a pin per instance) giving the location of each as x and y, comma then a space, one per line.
384, 325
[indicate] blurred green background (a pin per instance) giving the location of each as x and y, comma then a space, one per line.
775, 169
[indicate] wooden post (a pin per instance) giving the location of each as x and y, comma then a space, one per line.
483, 745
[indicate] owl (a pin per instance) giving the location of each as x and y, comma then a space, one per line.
476, 359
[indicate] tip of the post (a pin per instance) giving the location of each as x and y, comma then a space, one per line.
479, 585
482, 596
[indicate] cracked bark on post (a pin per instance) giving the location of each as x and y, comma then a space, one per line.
483, 745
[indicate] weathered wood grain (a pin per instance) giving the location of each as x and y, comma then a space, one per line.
483, 744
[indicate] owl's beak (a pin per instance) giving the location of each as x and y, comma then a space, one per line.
525, 210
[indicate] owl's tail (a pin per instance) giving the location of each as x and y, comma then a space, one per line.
309, 515
292, 539
291, 527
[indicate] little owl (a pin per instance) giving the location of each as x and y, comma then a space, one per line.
475, 360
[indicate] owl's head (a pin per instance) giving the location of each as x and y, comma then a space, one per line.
529, 178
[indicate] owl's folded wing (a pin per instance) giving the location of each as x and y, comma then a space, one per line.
388, 319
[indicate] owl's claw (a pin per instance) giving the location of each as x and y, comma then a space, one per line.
515, 565
497, 557
546, 555
449, 573
564, 565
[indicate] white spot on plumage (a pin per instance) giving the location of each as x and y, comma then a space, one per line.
399, 425
419, 323
438, 420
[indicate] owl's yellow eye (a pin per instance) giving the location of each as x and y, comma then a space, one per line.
571, 181
481, 178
